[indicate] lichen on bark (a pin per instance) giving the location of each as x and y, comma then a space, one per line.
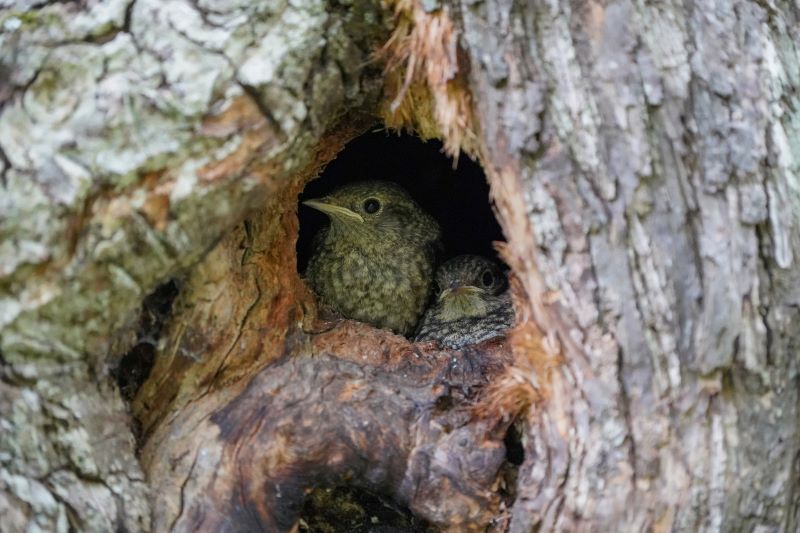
134, 134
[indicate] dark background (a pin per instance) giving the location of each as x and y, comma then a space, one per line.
458, 198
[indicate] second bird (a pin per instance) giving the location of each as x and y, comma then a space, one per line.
374, 262
472, 303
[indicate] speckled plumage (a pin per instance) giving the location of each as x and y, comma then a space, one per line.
472, 303
374, 267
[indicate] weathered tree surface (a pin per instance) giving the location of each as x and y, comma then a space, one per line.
644, 159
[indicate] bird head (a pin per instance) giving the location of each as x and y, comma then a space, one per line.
465, 284
376, 210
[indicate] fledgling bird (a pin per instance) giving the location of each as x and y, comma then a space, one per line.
472, 303
374, 262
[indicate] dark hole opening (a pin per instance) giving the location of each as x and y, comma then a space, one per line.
444, 403
515, 452
457, 197
355, 510
515, 456
134, 367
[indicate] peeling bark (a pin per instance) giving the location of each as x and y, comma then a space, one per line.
644, 164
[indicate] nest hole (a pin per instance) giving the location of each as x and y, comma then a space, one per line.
457, 195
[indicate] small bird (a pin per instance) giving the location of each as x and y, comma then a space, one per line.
374, 262
472, 303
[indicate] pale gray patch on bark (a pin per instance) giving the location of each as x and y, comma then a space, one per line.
99, 94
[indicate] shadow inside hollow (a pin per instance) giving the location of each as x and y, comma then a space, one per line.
457, 197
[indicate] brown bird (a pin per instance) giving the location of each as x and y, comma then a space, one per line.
374, 262
472, 303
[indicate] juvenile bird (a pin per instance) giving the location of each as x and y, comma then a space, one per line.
374, 262
472, 303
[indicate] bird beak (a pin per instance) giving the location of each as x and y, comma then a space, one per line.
333, 209
464, 289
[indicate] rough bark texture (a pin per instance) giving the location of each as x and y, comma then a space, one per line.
658, 149
133, 135
645, 163
253, 401
396, 422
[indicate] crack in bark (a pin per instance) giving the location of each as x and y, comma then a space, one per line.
181, 500
204, 12
625, 407
560, 502
6, 167
653, 306
199, 44
763, 239
239, 333
274, 124
126, 21
692, 223
28, 84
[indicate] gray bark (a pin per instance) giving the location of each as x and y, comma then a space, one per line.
117, 174
657, 147
645, 164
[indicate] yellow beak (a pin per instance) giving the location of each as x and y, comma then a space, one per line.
333, 210
464, 289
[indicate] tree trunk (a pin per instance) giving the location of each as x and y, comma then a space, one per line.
644, 161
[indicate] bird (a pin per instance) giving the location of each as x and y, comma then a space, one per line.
472, 303
375, 259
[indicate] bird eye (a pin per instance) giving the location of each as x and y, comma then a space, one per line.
371, 205
487, 278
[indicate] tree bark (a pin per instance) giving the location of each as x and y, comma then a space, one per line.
657, 151
644, 161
